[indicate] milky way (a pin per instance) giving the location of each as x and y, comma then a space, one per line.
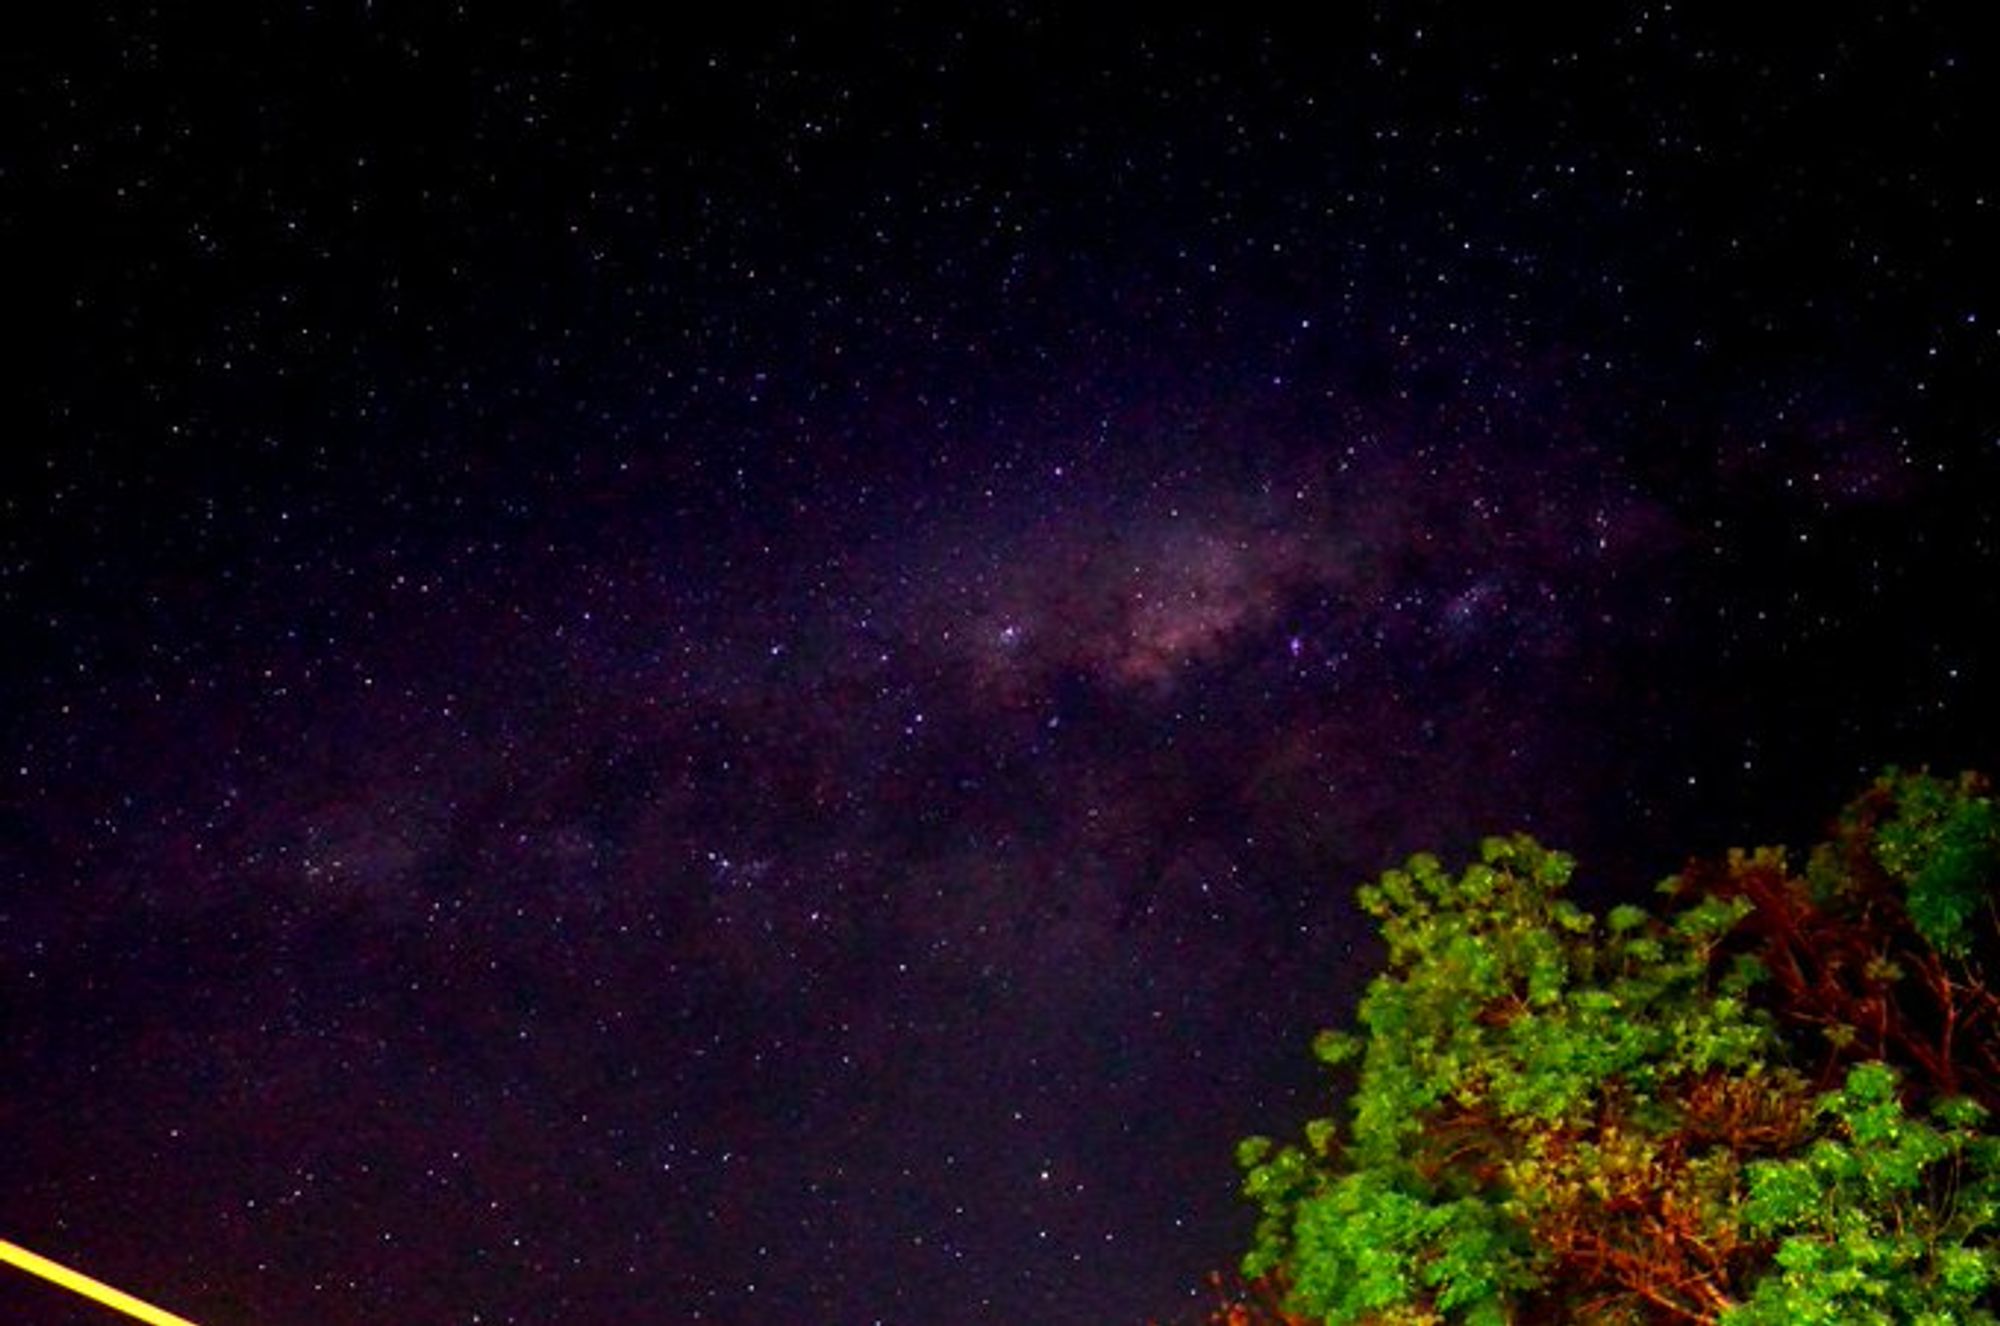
741, 673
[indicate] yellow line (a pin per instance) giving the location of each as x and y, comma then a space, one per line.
78, 1282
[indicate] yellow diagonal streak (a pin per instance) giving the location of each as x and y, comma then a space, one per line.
79, 1283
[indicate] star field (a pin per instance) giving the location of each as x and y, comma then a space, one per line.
736, 668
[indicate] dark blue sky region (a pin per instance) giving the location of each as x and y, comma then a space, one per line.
736, 669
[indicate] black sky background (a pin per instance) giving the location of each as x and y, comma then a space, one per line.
736, 668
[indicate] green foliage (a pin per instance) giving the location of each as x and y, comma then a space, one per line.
1560, 1117
1884, 1218
1942, 842
1881, 951
1520, 1063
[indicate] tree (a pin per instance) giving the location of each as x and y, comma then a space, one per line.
1880, 949
1769, 1103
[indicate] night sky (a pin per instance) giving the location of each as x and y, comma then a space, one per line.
738, 669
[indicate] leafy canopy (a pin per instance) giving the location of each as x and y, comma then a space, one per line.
1769, 1103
